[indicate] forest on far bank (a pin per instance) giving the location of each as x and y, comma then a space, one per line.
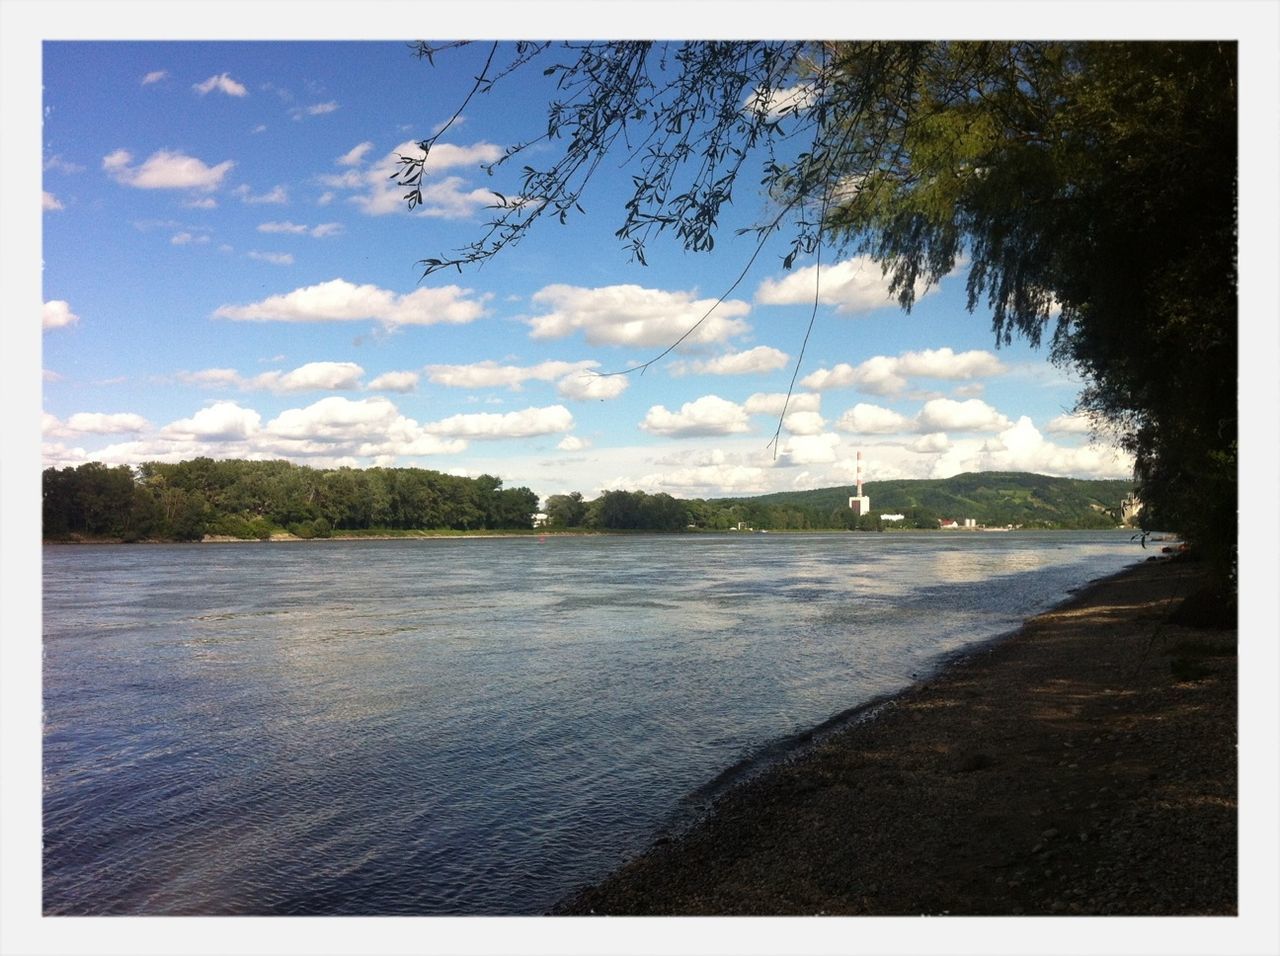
186, 501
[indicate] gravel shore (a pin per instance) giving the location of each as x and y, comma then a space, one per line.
1086, 765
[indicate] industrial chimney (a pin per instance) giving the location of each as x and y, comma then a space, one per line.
860, 503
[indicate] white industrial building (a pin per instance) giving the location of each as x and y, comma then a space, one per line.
860, 504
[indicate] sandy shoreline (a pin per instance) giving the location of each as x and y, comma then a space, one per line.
1084, 765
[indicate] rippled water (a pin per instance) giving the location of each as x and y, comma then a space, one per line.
464, 726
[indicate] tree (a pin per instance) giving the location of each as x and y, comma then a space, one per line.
1089, 186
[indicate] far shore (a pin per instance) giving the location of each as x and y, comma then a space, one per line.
284, 537
1085, 765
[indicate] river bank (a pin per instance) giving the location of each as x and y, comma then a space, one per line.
1085, 765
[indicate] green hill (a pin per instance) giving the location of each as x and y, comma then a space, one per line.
992, 498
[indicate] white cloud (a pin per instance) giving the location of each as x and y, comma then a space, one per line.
973, 415
219, 421
165, 170
772, 403
155, 76
864, 419
490, 374
760, 359
589, 386
804, 423
946, 364
340, 301
326, 229
632, 315
708, 415
186, 239
376, 193
223, 83
932, 444
338, 419
205, 202
106, 424
315, 109
573, 443
291, 228
887, 375
57, 314
355, 155
275, 258
494, 425
852, 286
818, 449
276, 196
395, 382
1073, 424
48, 201
313, 376
1021, 447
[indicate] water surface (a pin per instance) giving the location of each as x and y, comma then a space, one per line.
464, 726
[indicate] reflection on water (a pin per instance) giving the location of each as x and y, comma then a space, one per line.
464, 726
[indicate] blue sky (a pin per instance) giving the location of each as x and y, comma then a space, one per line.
230, 271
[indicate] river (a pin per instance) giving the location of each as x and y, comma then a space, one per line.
466, 726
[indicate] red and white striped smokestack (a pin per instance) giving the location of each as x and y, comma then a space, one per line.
859, 474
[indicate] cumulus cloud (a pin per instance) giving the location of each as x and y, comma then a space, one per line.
494, 425
372, 189
155, 76
973, 415
888, 375
49, 202
165, 169
632, 315
773, 403
932, 444
219, 421
804, 423
57, 314
708, 415
819, 449
395, 382
589, 386
852, 286
760, 359
865, 419
1021, 447
490, 374
335, 419
93, 423
1075, 423
313, 376
340, 301
573, 443
222, 82
355, 155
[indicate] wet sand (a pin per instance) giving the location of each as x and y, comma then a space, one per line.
1084, 765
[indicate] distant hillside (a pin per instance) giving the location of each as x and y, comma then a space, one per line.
993, 498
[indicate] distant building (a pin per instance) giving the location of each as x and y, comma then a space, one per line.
539, 520
859, 503
948, 523
970, 523
893, 517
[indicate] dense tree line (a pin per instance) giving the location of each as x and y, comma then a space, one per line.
253, 499
1091, 186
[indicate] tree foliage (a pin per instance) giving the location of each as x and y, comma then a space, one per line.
1088, 187
186, 500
